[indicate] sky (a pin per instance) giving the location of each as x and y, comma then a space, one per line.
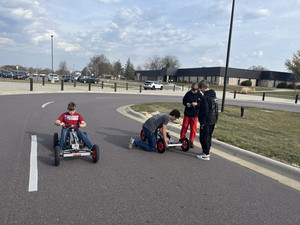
265, 33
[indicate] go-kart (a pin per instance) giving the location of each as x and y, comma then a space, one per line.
161, 144
75, 147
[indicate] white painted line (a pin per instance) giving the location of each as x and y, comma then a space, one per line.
33, 173
43, 106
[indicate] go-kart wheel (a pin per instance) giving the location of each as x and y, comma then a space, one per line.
95, 153
143, 136
57, 155
185, 144
55, 140
161, 145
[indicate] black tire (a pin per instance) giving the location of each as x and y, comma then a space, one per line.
143, 136
153, 88
55, 140
185, 144
57, 155
161, 145
95, 153
161, 87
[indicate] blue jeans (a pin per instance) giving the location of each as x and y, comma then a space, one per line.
152, 139
80, 135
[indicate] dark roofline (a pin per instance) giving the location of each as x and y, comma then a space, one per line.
219, 71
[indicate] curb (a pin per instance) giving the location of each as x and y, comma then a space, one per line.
267, 163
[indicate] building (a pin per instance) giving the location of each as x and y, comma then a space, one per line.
216, 75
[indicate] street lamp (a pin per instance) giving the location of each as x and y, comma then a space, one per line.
227, 59
52, 51
17, 67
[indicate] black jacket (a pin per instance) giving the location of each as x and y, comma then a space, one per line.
189, 98
208, 113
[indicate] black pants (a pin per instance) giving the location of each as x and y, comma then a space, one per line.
205, 137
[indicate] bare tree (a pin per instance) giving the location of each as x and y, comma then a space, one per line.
117, 68
157, 63
259, 68
153, 63
99, 65
294, 66
63, 69
170, 61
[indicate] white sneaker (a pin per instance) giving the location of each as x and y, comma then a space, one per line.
131, 143
203, 156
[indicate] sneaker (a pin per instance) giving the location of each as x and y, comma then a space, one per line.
131, 143
191, 144
203, 156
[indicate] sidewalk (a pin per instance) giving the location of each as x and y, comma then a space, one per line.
14, 88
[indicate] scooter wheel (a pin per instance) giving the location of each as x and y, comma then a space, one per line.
57, 155
95, 153
55, 140
185, 144
143, 136
161, 145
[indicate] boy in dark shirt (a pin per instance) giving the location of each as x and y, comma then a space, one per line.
208, 117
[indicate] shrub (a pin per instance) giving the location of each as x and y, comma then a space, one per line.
291, 86
246, 83
282, 85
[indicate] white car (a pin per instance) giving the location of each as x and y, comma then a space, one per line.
153, 85
54, 76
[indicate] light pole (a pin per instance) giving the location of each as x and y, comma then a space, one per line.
17, 67
227, 59
52, 51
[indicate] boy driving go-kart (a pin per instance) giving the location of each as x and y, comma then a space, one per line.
70, 144
72, 118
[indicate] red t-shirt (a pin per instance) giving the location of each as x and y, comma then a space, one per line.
68, 119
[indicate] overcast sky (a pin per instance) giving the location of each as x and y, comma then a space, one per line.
265, 32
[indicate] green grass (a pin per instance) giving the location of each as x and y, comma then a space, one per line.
271, 133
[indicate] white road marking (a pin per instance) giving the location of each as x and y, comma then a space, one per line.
43, 106
33, 173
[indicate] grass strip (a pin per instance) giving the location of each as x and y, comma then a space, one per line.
271, 133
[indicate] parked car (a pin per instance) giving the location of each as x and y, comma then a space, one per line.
54, 76
93, 79
20, 75
6, 74
83, 79
68, 78
76, 77
153, 85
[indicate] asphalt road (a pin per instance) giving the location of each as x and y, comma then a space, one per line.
265, 105
124, 187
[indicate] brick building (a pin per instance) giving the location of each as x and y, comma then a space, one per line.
216, 75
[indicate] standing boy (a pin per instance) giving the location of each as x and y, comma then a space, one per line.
150, 128
208, 117
191, 101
